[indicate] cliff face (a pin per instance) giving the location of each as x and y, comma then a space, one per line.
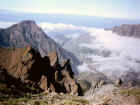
128, 30
28, 67
27, 33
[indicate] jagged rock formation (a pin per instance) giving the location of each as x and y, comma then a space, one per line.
27, 33
128, 30
118, 82
27, 66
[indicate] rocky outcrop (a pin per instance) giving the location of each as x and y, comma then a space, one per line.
27, 33
118, 82
111, 95
128, 30
27, 66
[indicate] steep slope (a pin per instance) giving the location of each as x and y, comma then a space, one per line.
25, 65
28, 33
132, 30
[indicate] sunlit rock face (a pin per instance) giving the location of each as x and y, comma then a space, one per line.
26, 66
101, 51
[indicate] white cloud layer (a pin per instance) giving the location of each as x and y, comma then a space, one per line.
123, 53
109, 53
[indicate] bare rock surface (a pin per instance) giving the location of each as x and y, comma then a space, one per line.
27, 33
27, 66
112, 95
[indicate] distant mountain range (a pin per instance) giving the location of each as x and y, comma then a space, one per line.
132, 30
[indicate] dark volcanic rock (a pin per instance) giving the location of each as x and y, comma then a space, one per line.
128, 30
27, 66
27, 33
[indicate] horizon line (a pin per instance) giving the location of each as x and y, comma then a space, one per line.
67, 14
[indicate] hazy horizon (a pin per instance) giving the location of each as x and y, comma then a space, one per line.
10, 16
106, 8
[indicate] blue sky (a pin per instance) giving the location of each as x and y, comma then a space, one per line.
105, 8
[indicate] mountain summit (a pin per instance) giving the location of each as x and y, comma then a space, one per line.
27, 33
22, 34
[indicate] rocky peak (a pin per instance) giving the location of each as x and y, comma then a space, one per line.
27, 33
27, 26
27, 65
26, 23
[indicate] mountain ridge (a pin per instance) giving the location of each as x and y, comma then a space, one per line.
26, 65
130, 30
27, 33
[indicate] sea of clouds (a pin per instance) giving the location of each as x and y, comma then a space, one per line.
123, 53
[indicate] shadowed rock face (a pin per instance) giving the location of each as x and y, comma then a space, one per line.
27, 33
128, 30
27, 66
